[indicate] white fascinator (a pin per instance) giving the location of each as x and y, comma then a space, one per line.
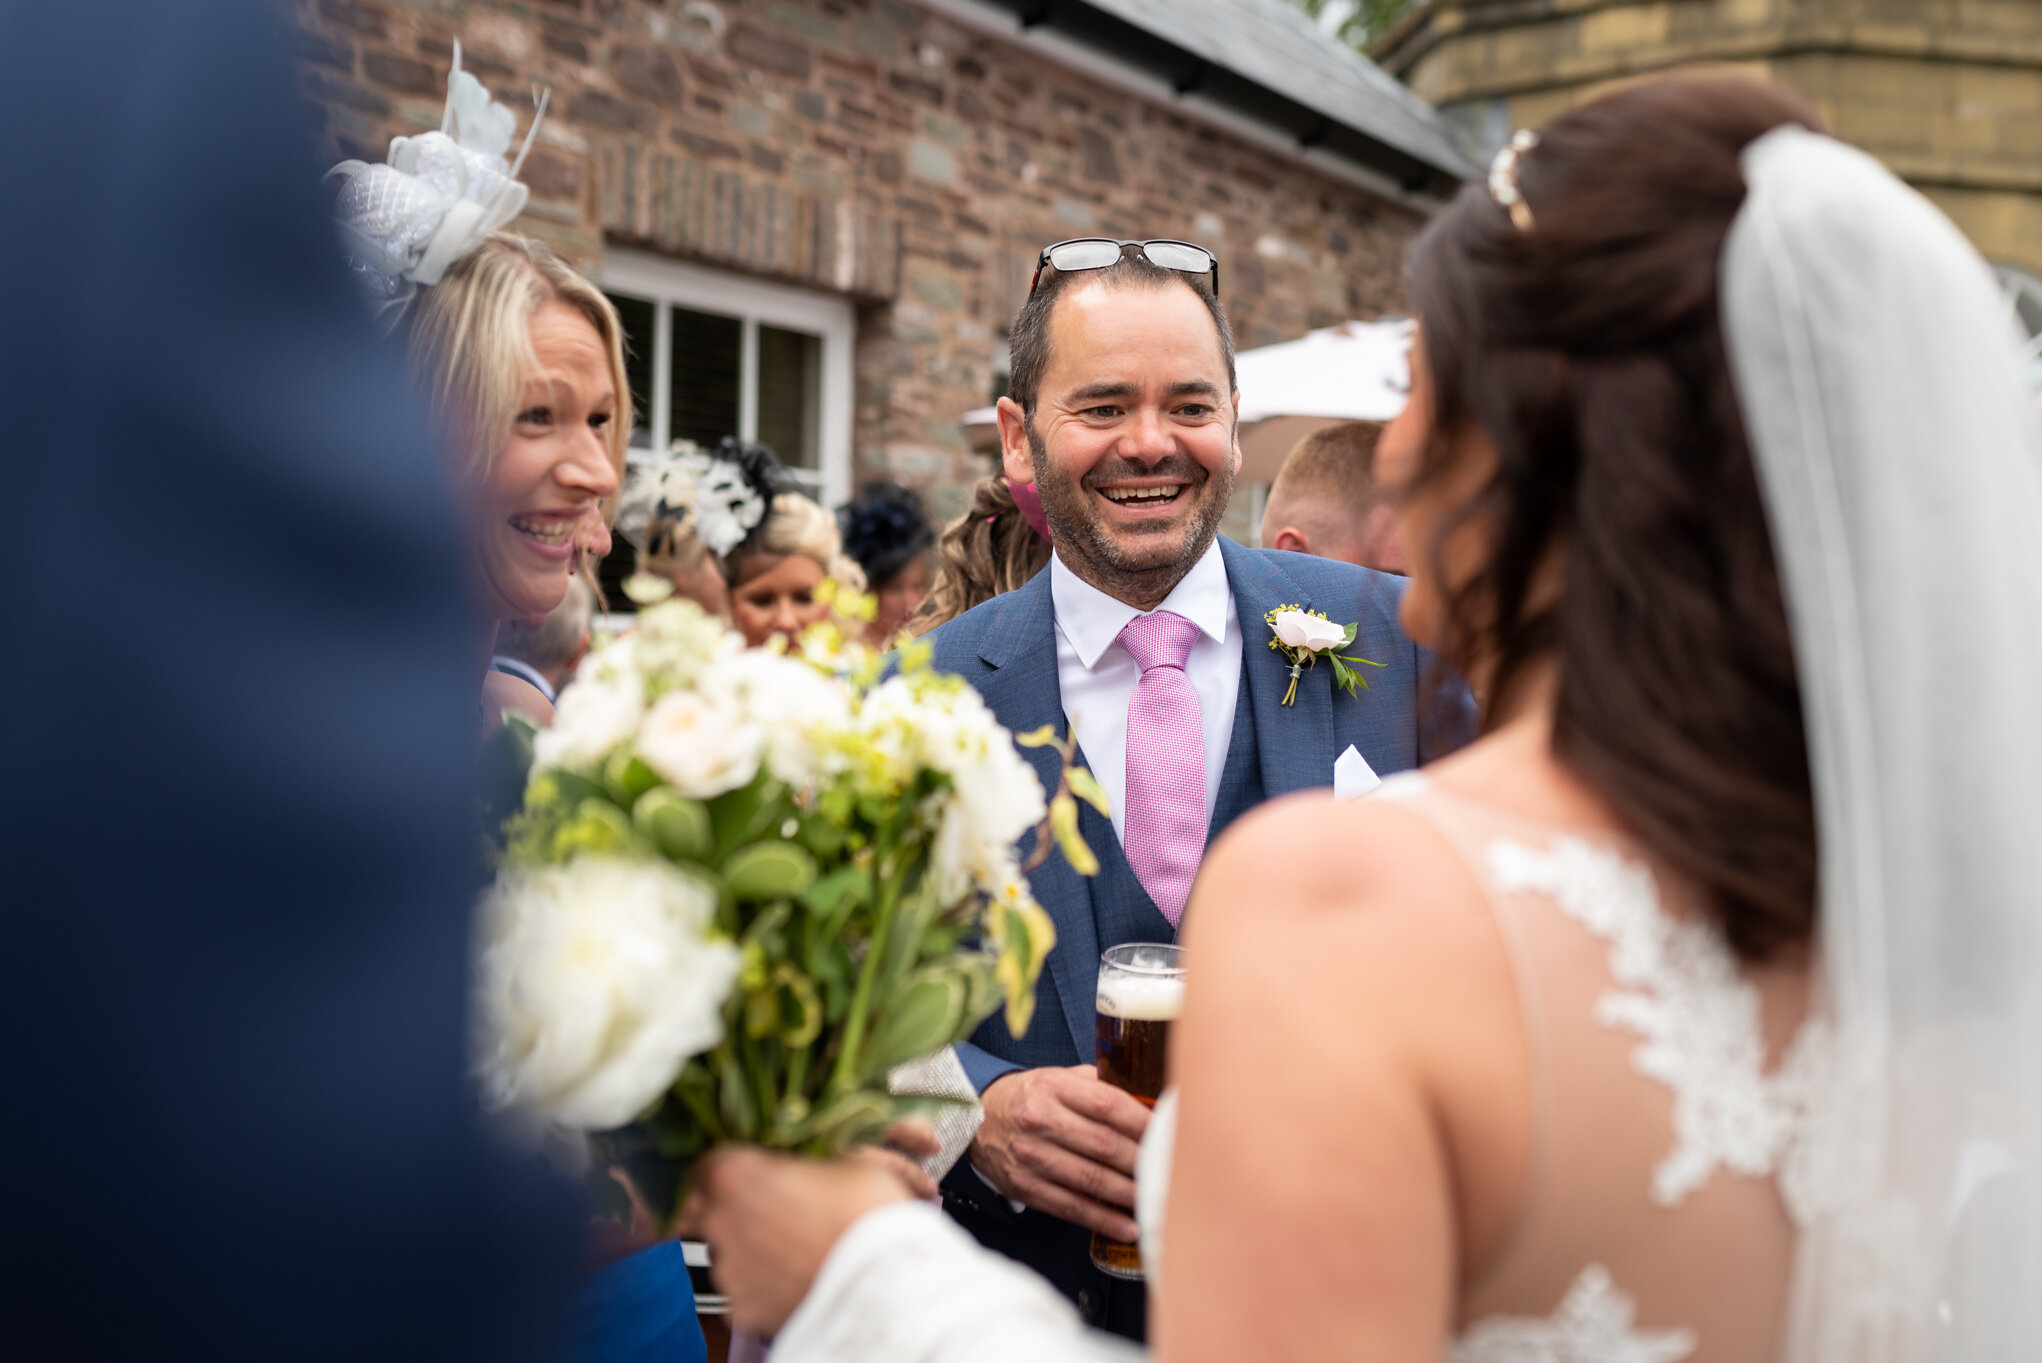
726, 490
435, 198
658, 487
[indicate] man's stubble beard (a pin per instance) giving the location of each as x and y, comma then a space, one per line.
1087, 549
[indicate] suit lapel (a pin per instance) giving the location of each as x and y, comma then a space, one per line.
1293, 743
1019, 644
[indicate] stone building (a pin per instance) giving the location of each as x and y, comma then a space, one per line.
1946, 92
818, 216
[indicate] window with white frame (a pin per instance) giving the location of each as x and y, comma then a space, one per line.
715, 354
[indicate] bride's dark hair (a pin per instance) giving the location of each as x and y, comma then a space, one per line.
1588, 347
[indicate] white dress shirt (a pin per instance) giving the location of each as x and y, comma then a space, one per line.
1097, 675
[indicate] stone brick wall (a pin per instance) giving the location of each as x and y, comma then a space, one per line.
1947, 92
864, 147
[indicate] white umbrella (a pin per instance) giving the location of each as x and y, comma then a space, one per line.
1355, 371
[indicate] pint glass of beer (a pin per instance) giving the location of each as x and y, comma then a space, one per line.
1141, 990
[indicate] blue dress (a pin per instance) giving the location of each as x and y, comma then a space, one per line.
640, 1310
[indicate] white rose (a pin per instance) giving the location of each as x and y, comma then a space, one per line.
597, 983
1308, 632
803, 712
596, 711
701, 748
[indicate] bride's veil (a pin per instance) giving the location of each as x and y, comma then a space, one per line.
1902, 469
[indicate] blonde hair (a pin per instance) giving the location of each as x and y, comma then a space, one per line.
796, 525
471, 335
987, 552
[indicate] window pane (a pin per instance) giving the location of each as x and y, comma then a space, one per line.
705, 368
637, 316
790, 390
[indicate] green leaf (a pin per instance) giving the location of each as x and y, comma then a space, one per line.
573, 787
744, 815
1037, 738
842, 889
822, 837
915, 912
678, 826
740, 1113
1022, 934
1063, 822
769, 870
924, 1017
1347, 637
801, 1008
506, 770
1343, 677
626, 777
598, 828
1087, 788
851, 1119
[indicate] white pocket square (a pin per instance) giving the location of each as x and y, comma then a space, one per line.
1352, 775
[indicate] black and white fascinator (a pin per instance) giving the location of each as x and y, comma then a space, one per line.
726, 491
435, 198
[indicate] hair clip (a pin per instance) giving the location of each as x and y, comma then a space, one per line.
1503, 178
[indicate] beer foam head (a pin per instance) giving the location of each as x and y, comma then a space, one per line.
1140, 998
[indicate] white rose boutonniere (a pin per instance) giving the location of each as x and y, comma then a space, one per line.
1304, 637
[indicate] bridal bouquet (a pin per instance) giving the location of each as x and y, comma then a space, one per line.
743, 885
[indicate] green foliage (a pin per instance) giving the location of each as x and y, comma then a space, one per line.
679, 827
852, 961
1357, 22
851, 964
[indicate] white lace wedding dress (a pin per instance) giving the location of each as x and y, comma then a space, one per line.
1670, 1090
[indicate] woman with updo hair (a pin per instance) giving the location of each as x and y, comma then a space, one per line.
886, 533
775, 571
1691, 1012
990, 550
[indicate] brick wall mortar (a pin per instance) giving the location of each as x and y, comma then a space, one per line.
863, 147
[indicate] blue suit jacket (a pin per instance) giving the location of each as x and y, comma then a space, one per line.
1006, 648
238, 726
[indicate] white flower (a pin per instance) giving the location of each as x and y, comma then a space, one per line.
597, 982
1299, 630
596, 711
702, 748
995, 795
675, 641
803, 712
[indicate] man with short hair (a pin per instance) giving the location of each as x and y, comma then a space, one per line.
547, 653
1326, 501
1146, 635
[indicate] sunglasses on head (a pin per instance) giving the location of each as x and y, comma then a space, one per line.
1096, 253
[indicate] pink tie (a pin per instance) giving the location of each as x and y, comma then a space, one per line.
1164, 828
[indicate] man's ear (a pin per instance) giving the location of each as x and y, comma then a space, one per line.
1014, 457
1237, 432
1290, 538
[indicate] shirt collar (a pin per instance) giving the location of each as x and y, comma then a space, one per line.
1091, 620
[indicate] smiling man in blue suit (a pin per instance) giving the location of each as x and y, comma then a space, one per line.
1146, 636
